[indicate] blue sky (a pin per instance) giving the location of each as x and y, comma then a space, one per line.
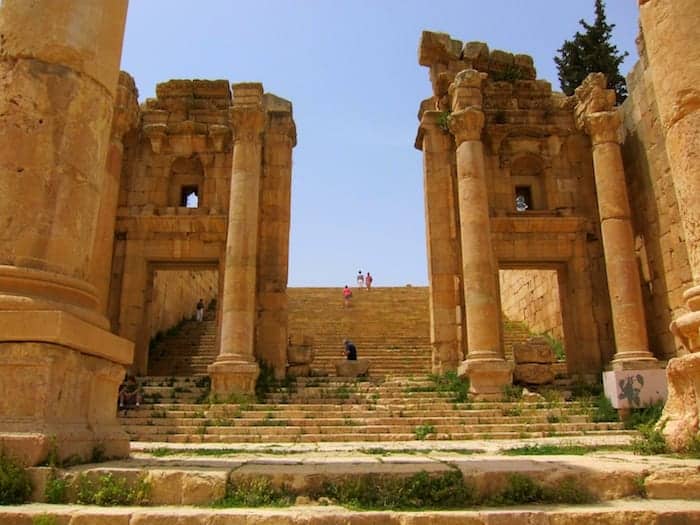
350, 69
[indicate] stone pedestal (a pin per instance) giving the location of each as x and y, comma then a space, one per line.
235, 369
485, 365
356, 368
443, 262
635, 388
597, 116
59, 365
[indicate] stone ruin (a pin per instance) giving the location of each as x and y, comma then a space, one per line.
519, 177
515, 176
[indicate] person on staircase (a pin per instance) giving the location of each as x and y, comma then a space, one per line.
350, 350
129, 393
200, 310
347, 295
360, 279
368, 281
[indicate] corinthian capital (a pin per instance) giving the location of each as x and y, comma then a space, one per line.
466, 124
604, 126
247, 123
465, 91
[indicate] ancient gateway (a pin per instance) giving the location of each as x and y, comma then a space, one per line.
516, 177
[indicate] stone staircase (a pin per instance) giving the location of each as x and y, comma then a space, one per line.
187, 350
389, 326
335, 410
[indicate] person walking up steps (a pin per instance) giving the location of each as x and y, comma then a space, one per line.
347, 294
360, 279
200, 310
368, 281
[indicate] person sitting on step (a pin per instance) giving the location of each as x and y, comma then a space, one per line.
350, 350
129, 393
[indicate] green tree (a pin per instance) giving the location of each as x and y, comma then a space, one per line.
590, 51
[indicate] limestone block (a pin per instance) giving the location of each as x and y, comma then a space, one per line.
527, 353
533, 374
679, 421
635, 388
299, 371
348, 368
677, 483
186, 487
300, 355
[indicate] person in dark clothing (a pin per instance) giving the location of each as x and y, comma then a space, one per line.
350, 350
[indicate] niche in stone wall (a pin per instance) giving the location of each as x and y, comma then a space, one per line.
527, 182
186, 182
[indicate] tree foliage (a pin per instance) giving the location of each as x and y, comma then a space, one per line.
591, 51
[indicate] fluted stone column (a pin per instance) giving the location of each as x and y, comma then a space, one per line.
273, 253
670, 32
624, 285
59, 365
126, 113
442, 242
235, 369
485, 365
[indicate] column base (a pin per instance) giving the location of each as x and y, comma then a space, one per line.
487, 377
233, 377
641, 361
59, 401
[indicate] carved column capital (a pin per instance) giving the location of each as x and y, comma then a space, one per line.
156, 134
247, 123
465, 91
218, 134
604, 126
434, 122
281, 125
466, 124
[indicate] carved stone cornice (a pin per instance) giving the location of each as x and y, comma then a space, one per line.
466, 124
604, 126
465, 91
218, 134
247, 123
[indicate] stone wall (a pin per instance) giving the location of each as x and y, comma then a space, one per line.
532, 296
175, 296
660, 242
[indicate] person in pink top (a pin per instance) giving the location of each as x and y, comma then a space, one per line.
368, 281
347, 294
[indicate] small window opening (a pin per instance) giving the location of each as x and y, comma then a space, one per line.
523, 198
189, 197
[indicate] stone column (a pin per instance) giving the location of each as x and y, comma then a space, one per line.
442, 243
126, 114
235, 369
670, 33
669, 29
58, 74
273, 252
595, 114
485, 365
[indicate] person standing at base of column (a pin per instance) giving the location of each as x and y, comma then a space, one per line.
200, 310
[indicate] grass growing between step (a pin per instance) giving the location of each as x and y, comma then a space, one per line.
448, 383
214, 452
560, 450
421, 491
14, 482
